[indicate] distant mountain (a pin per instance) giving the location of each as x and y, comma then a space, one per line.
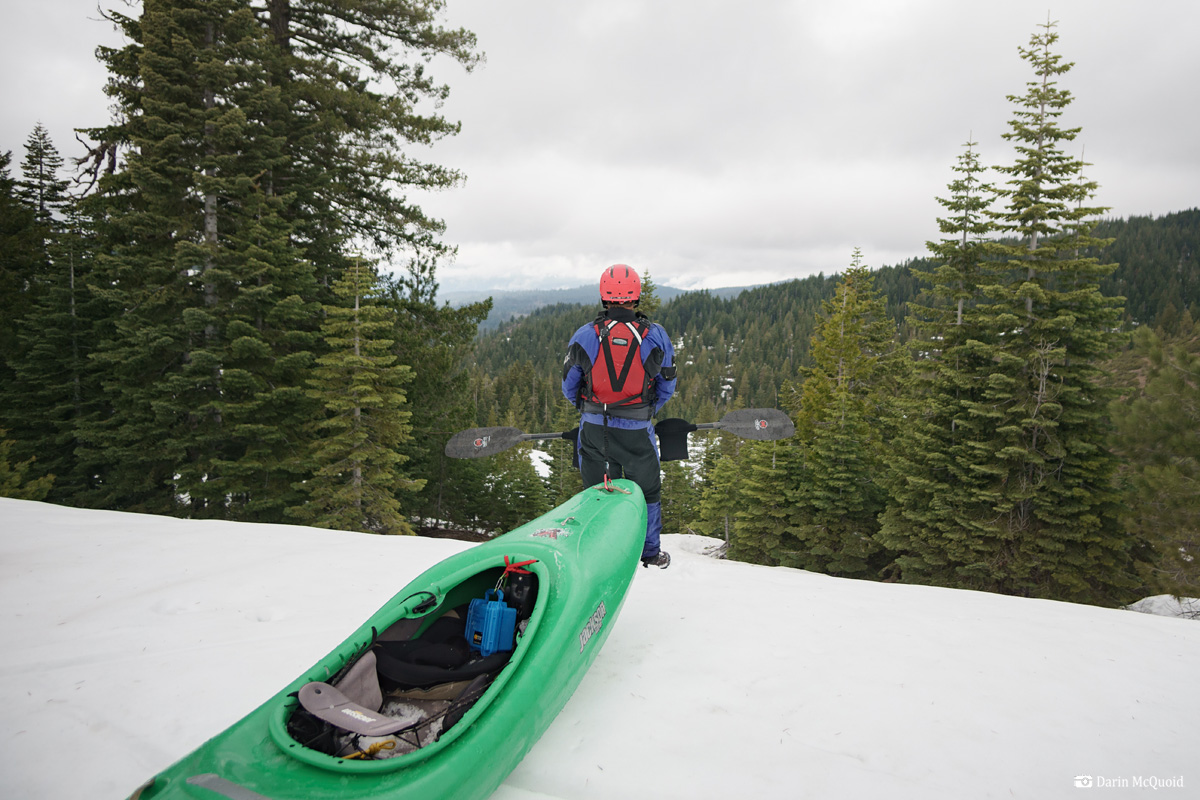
510, 305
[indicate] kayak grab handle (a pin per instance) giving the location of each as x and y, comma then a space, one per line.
425, 605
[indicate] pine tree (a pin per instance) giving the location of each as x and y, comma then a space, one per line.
359, 385
935, 472
253, 323
514, 491
1017, 482
21, 256
358, 101
762, 505
254, 147
53, 385
680, 497
42, 186
15, 480
1055, 532
437, 342
719, 499
563, 482
955, 281
649, 302
836, 491
218, 313
267, 351
1157, 432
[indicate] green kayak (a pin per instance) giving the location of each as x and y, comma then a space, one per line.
444, 690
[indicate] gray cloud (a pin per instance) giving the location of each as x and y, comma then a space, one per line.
719, 143
716, 143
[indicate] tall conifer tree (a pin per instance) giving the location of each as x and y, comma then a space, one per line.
42, 185
253, 148
21, 254
53, 384
436, 341
836, 484
1056, 531
938, 468
1036, 512
763, 503
357, 467
215, 305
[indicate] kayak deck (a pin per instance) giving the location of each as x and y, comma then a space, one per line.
582, 557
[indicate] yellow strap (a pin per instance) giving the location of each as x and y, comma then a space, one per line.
374, 749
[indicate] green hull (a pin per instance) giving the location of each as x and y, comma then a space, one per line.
587, 551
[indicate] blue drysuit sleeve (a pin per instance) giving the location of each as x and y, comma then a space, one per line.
664, 387
584, 344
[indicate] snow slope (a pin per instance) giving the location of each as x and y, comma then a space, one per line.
129, 640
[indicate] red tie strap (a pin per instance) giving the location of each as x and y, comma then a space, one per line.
516, 566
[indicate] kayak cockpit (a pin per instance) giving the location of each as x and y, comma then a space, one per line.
419, 677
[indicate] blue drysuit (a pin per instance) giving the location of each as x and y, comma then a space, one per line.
627, 448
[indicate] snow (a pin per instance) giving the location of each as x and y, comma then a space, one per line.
1168, 606
132, 639
541, 463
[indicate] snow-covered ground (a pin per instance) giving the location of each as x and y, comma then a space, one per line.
1167, 606
129, 640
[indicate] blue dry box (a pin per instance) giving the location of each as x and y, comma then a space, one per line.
490, 624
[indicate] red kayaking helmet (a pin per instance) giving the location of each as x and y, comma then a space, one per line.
620, 284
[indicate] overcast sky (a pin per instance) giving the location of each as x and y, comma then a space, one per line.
718, 143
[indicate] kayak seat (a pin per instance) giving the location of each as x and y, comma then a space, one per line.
330, 704
365, 720
440, 655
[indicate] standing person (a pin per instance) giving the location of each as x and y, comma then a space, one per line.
619, 371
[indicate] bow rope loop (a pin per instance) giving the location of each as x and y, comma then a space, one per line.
610, 487
516, 566
513, 567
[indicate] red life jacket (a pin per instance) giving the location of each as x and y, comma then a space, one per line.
618, 380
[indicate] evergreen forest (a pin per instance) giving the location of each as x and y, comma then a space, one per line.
227, 308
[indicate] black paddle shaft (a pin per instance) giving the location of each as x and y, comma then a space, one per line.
759, 424
481, 442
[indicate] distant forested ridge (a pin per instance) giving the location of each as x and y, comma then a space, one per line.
511, 305
737, 351
1158, 264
